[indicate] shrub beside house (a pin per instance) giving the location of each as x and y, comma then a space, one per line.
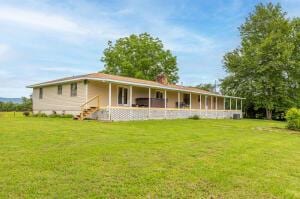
293, 119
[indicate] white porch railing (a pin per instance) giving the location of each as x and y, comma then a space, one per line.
134, 113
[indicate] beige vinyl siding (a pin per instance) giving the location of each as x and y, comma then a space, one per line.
51, 101
102, 89
220, 103
139, 92
203, 102
172, 99
209, 102
96, 88
195, 103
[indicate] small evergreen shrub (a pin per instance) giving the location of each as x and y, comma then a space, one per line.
194, 117
293, 119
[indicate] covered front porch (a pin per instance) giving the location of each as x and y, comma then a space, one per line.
131, 102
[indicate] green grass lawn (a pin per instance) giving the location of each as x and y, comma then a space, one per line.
62, 158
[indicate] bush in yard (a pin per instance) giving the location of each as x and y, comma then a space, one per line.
293, 119
26, 113
194, 117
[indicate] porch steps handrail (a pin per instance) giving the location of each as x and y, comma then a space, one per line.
86, 110
90, 100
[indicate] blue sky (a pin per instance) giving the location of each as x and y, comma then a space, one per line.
41, 40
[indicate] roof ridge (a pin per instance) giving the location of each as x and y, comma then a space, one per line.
125, 79
134, 78
152, 81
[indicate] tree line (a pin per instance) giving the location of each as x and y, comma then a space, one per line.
265, 68
25, 105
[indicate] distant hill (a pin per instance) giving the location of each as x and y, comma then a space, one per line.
14, 100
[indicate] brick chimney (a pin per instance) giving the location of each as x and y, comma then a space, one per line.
162, 79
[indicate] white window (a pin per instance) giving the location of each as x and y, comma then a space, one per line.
159, 95
73, 89
122, 96
41, 93
186, 99
59, 90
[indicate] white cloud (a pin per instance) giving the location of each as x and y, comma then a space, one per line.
174, 36
5, 52
109, 27
74, 27
181, 40
4, 73
40, 20
3, 49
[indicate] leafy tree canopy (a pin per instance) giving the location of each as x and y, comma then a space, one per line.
140, 56
265, 68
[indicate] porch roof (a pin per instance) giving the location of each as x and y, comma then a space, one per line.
128, 81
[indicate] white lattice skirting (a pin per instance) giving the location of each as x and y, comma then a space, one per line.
124, 114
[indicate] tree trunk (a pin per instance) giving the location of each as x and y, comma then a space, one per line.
269, 114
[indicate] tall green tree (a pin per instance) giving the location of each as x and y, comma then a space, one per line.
140, 56
265, 68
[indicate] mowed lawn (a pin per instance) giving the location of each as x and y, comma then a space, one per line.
62, 158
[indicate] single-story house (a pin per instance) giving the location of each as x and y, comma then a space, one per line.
111, 97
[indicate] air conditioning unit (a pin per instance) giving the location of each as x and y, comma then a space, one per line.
236, 116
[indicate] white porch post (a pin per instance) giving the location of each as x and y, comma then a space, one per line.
206, 105
211, 105
242, 108
216, 107
224, 107
236, 108
178, 95
86, 92
230, 108
130, 96
130, 101
149, 103
190, 104
109, 101
242, 105
200, 104
165, 104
